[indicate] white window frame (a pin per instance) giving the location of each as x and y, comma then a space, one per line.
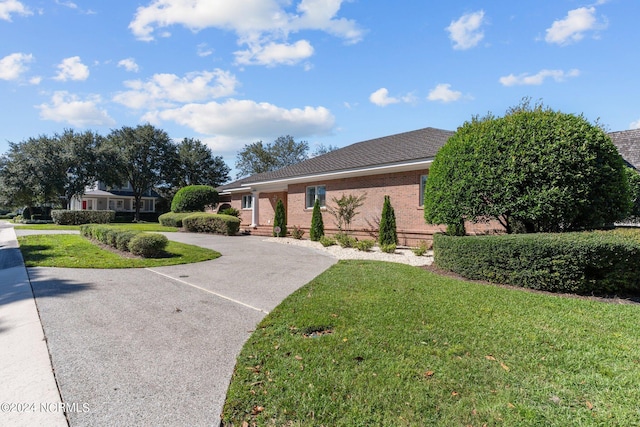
423, 183
247, 201
309, 203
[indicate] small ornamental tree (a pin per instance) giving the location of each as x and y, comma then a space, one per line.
280, 221
533, 170
387, 234
317, 225
346, 210
194, 198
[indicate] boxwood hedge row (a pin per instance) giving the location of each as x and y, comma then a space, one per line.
146, 245
588, 263
173, 219
65, 217
212, 223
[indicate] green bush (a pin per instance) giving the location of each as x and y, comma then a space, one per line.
345, 241
599, 263
212, 223
65, 217
173, 219
231, 212
108, 235
296, 232
280, 221
123, 238
364, 245
148, 245
387, 234
327, 241
194, 198
422, 248
317, 224
389, 249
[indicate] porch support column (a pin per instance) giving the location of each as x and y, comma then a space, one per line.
255, 209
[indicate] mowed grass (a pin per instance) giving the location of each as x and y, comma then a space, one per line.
74, 251
138, 226
378, 344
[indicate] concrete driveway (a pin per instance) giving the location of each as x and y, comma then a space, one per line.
158, 346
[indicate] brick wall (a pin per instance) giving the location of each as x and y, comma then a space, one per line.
403, 189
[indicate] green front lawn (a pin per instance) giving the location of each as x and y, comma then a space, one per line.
73, 251
139, 226
379, 344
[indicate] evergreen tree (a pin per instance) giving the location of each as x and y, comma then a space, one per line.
317, 225
280, 221
387, 234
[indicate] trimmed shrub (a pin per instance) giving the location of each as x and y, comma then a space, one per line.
317, 224
194, 198
365, 245
280, 221
422, 248
231, 212
123, 238
212, 223
148, 245
173, 219
327, 241
598, 263
345, 241
65, 217
387, 234
297, 232
389, 249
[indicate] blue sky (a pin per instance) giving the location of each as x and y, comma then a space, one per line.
330, 72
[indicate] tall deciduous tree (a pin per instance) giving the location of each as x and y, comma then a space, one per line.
198, 165
533, 170
259, 157
144, 156
44, 169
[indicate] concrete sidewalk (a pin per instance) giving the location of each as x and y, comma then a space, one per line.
28, 392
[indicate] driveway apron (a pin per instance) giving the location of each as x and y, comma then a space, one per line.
158, 346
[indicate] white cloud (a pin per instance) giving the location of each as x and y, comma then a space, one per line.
14, 65
466, 32
573, 28
129, 64
381, 98
526, 79
262, 25
443, 93
68, 108
72, 69
69, 4
204, 50
35, 80
246, 119
273, 54
165, 90
7, 7
635, 125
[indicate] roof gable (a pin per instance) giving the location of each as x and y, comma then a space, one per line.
628, 144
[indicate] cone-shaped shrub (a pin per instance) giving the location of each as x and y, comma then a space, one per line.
387, 234
317, 225
280, 221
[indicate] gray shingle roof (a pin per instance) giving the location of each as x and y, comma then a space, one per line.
628, 144
422, 144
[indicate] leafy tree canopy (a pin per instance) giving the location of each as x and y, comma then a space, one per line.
259, 157
198, 165
533, 170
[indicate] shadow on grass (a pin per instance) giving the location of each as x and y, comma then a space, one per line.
35, 253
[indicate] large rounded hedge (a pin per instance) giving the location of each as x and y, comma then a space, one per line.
194, 198
533, 170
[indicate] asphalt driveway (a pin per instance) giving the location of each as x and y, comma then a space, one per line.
158, 346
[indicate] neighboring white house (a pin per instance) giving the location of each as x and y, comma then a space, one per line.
99, 197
